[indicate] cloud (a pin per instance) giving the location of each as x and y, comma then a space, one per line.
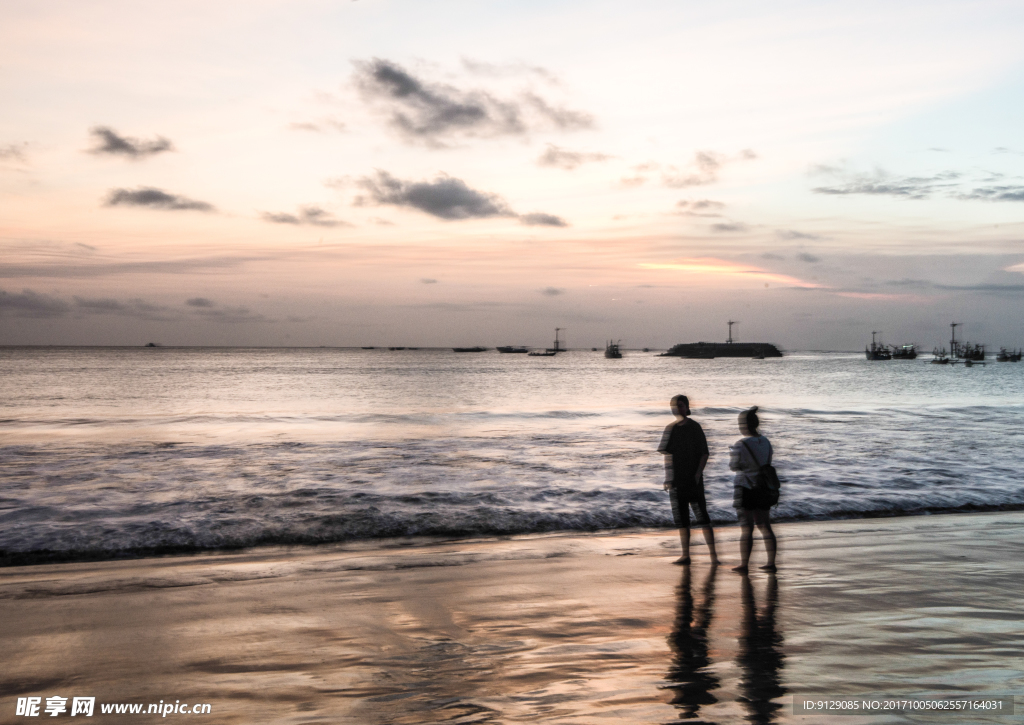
14, 152
210, 310
883, 184
995, 193
540, 219
700, 207
423, 111
702, 170
309, 215
504, 70
324, 125
807, 257
65, 270
772, 255
32, 304
428, 280
552, 291
109, 141
790, 234
565, 159
149, 197
135, 307
445, 197
727, 227
232, 315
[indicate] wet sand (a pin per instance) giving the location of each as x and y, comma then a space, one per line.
582, 629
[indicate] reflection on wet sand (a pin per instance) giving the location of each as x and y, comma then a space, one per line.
690, 674
760, 654
698, 639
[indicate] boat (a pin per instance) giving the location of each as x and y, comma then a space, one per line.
396, 348
729, 348
612, 350
548, 352
514, 348
877, 352
1011, 356
371, 347
469, 349
647, 349
939, 356
906, 352
964, 351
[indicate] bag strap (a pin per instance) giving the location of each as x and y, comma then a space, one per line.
754, 457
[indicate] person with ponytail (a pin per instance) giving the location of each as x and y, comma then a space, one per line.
752, 502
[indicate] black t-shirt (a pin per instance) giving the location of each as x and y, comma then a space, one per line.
684, 440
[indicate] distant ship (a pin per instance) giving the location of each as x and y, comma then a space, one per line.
514, 348
710, 350
1012, 356
551, 350
469, 349
877, 352
906, 352
612, 351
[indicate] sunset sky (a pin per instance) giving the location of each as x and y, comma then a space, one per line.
457, 172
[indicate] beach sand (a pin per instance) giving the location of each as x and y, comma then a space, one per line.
595, 628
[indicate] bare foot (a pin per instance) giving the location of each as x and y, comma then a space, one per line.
716, 561
682, 561
768, 567
742, 569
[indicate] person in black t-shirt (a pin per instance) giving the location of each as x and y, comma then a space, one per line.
686, 454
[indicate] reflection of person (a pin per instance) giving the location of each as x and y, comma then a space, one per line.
760, 654
686, 454
746, 456
690, 674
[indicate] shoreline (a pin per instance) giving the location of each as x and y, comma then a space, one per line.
589, 628
50, 557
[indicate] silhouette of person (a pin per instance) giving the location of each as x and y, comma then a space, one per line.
686, 453
760, 654
746, 456
690, 673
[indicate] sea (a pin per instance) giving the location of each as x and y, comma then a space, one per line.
117, 452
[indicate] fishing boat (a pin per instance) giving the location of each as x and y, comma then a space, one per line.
469, 349
964, 351
548, 352
877, 351
612, 350
514, 349
939, 356
906, 352
1011, 356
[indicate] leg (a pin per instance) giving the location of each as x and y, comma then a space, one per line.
746, 538
684, 539
700, 516
764, 523
681, 515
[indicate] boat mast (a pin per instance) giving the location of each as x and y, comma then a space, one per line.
731, 323
557, 330
873, 333
952, 341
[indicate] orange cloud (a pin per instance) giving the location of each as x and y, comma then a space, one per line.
711, 265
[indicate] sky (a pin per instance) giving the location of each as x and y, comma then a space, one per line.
465, 172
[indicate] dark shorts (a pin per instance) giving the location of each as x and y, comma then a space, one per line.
751, 500
695, 499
